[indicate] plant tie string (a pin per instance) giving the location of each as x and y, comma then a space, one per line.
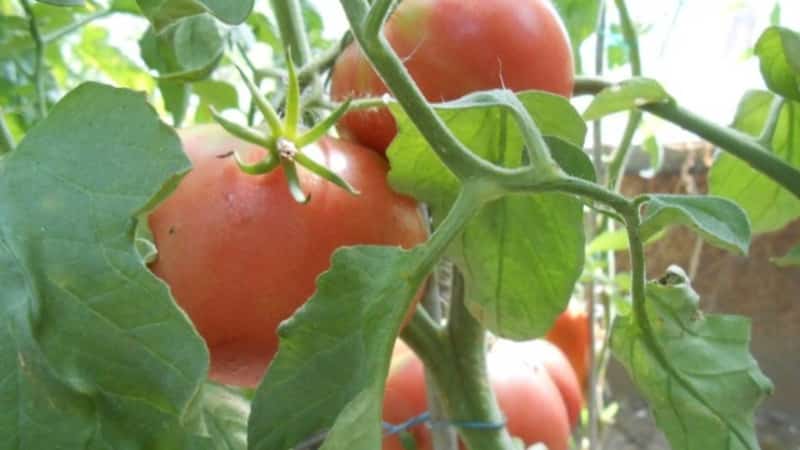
391, 429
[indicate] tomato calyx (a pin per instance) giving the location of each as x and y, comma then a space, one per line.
284, 140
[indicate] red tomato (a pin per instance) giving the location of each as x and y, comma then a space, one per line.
527, 396
558, 367
570, 333
454, 47
240, 255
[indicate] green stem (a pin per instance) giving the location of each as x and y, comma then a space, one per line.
38, 68
6, 139
730, 140
621, 155
289, 16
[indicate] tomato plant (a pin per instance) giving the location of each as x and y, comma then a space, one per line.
150, 270
241, 255
528, 396
454, 47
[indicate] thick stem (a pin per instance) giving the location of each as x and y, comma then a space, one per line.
730, 140
38, 68
6, 139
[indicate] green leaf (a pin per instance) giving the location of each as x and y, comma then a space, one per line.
213, 94
189, 51
719, 221
655, 150
176, 97
98, 353
778, 51
790, 259
617, 240
769, 206
521, 255
698, 376
163, 13
629, 94
580, 19
95, 52
346, 332
225, 413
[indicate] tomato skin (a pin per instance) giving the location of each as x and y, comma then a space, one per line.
529, 399
570, 333
557, 366
454, 47
240, 255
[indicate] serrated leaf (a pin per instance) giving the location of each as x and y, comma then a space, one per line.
97, 354
778, 51
719, 221
629, 94
346, 331
705, 399
790, 259
163, 13
769, 206
521, 255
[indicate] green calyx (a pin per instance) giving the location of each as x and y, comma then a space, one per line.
284, 140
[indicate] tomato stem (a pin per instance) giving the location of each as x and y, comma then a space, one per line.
730, 140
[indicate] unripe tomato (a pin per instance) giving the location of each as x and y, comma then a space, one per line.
454, 47
570, 333
240, 255
527, 396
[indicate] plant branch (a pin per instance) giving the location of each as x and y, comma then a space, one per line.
728, 139
621, 155
75, 26
38, 68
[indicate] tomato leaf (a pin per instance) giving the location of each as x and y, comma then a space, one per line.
769, 206
344, 333
719, 221
189, 51
521, 255
629, 94
63, 2
163, 13
708, 360
790, 259
778, 51
617, 240
94, 352
224, 414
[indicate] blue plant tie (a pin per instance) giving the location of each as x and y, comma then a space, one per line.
390, 429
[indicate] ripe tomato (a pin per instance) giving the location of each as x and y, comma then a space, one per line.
527, 396
557, 366
570, 333
454, 47
240, 255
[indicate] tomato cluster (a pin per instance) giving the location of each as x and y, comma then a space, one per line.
241, 255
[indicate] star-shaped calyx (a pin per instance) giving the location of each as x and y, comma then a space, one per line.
284, 140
